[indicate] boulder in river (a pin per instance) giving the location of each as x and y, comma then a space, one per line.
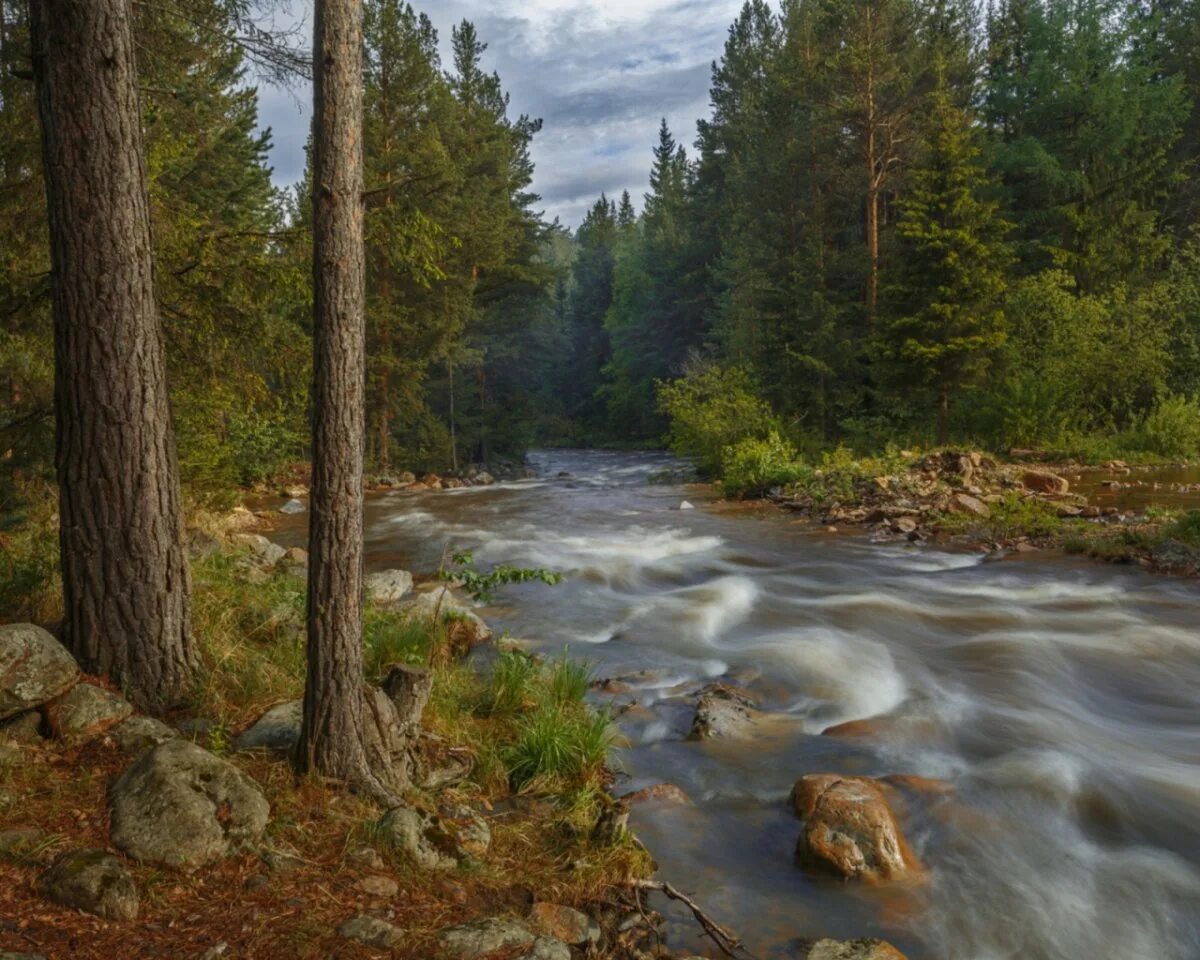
1043, 481
866, 949
93, 881
34, 668
183, 807
849, 829
722, 711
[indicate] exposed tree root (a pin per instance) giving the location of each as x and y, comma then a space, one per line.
722, 936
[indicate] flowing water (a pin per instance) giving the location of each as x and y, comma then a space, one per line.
1058, 697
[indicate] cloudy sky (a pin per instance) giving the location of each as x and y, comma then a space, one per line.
600, 73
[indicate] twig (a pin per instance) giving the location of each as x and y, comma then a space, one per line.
722, 936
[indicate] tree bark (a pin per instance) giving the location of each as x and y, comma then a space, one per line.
125, 577
334, 733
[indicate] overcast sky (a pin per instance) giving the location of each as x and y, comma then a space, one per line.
600, 74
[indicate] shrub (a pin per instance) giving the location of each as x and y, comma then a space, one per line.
1186, 529
711, 409
1170, 429
752, 466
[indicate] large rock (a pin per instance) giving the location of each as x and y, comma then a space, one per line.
183, 807
93, 881
869, 949
418, 835
464, 627
139, 733
722, 711
84, 712
564, 923
973, 506
34, 668
1043, 481
849, 829
388, 586
373, 932
262, 548
278, 729
484, 937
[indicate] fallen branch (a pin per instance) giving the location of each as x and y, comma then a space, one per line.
722, 936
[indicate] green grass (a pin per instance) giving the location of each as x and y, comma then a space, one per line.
557, 745
1011, 517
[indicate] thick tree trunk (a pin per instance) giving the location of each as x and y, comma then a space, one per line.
125, 577
336, 727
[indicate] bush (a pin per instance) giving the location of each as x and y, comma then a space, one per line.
1170, 429
710, 410
557, 743
752, 466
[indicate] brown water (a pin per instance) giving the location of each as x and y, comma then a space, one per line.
1058, 697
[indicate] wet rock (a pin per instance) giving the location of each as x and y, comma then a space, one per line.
564, 923
1043, 481
388, 586
722, 711
921, 786
183, 807
483, 478
139, 733
965, 503
23, 728
373, 932
849, 829
260, 548
869, 949
34, 668
1090, 512
84, 712
417, 835
686, 505
277, 730
292, 506
659, 793
1067, 510
409, 688
379, 887
93, 881
904, 525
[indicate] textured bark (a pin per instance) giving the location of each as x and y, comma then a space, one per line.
340, 718
125, 579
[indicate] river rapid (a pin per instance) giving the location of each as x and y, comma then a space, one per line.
1058, 697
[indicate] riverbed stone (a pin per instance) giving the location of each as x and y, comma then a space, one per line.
373, 932
277, 730
865, 949
138, 733
93, 881
388, 586
34, 668
849, 829
181, 806
84, 712
417, 835
292, 506
1043, 481
972, 506
722, 711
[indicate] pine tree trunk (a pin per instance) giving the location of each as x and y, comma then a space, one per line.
334, 733
125, 576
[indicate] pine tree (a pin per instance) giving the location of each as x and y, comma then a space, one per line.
951, 253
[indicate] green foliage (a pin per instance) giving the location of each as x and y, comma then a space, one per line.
1170, 429
390, 639
1186, 529
510, 684
710, 410
752, 466
30, 584
483, 586
1011, 517
556, 744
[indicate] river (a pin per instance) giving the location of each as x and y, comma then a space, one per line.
1057, 696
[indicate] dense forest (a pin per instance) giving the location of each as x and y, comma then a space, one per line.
904, 220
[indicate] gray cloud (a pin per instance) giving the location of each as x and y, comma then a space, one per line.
600, 74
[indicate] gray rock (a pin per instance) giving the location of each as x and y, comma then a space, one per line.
84, 712
93, 881
277, 730
483, 479
478, 939
23, 728
139, 733
183, 807
292, 506
466, 628
34, 668
869, 949
417, 835
373, 932
262, 548
469, 833
722, 711
201, 544
547, 948
388, 586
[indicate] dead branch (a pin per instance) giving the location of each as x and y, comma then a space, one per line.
722, 936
